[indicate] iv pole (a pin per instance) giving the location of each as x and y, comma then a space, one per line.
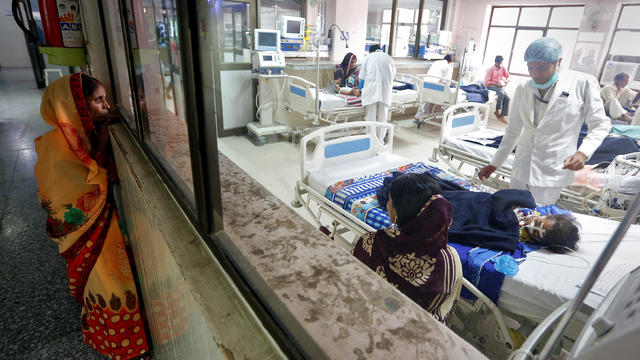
316, 120
602, 261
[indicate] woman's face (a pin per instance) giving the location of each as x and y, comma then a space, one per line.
97, 104
537, 226
391, 210
353, 61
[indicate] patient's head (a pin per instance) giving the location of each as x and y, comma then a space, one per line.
558, 233
407, 195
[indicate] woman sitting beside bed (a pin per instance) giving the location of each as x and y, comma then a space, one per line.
346, 76
415, 257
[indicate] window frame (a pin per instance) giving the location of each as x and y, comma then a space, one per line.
394, 23
205, 209
518, 27
617, 28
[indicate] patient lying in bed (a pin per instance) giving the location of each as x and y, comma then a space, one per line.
415, 257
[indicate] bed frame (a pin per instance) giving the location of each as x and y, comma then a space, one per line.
465, 118
300, 96
322, 149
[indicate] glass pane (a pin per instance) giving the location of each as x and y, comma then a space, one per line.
621, 41
159, 81
523, 39
534, 16
566, 38
379, 23
566, 16
272, 10
629, 17
504, 16
499, 43
431, 19
406, 28
122, 88
234, 29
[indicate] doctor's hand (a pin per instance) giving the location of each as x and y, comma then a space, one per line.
486, 171
575, 161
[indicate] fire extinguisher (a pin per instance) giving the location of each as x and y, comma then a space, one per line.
61, 23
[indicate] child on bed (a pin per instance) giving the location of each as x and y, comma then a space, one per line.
557, 233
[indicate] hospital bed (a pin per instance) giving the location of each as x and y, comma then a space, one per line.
463, 142
330, 163
300, 96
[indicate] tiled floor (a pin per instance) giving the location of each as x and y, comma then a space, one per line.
38, 317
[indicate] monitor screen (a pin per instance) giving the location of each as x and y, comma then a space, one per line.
268, 39
293, 26
267, 58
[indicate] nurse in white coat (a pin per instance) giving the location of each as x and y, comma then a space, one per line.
547, 114
377, 72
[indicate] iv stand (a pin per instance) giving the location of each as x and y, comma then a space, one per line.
602, 261
316, 119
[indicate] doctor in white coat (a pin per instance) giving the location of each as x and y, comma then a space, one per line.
547, 114
377, 72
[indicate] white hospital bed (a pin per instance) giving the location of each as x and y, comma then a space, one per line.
300, 96
469, 121
545, 279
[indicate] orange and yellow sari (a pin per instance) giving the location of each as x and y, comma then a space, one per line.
74, 188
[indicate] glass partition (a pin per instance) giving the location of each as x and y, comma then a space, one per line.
379, 23
407, 14
123, 97
272, 10
234, 30
155, 48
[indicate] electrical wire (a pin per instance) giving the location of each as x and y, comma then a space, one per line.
572, 253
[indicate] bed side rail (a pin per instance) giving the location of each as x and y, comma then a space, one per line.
463, 118
360, 142
300, 94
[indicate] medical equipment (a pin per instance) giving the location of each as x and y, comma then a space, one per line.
333, 156
613, 328
267, 40
292, 31
268, 68
292, 27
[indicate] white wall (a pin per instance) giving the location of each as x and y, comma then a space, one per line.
13, 47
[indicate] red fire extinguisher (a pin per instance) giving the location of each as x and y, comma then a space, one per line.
61, 23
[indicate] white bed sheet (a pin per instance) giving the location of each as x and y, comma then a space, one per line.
484, 152
545, 280
404, 96
320, 180
329, 102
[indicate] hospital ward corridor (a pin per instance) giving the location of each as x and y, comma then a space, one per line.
319, 179
38, 318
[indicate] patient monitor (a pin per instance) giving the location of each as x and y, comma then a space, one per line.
268, 59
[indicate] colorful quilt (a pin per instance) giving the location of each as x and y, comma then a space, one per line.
358, 195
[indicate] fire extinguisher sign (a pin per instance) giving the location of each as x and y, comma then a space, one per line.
70, 23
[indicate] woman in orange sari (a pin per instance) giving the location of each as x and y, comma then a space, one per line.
75, 174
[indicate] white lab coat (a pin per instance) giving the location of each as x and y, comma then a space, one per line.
378, 72
441, 68
541, 150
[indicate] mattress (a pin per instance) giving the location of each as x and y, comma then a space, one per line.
404, 96
547, 280
331, 101
484, 152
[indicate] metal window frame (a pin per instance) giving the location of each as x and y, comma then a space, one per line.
393, 24
517, 27
617, 28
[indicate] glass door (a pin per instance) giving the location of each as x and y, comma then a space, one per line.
234, 22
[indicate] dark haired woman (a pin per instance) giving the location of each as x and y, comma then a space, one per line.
346, 76
415, 257
75, 177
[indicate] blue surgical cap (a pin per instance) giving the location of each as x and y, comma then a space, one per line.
545, 49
